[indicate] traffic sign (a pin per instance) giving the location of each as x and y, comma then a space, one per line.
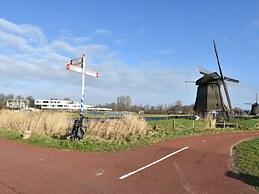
78, 65
80, 70
77, 61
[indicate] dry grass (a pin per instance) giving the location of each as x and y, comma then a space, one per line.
211, 121
57, 123
43, 123
128, 128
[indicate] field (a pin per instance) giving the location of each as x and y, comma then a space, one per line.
103, 134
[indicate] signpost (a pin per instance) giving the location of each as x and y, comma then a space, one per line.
78, 65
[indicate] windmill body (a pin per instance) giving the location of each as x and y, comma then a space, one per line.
254, 107
209, 99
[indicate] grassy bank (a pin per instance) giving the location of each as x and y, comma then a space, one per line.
247, 161
105, 137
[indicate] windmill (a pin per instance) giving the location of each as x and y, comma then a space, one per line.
254, 106
209, 98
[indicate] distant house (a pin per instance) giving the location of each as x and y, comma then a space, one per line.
57, 104
17, 104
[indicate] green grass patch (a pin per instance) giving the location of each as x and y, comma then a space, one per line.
165, 130
65, 144
247, 161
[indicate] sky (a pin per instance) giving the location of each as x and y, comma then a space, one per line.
141, 48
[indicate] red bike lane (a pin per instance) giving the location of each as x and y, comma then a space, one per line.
200, 164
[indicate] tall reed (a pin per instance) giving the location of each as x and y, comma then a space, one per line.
42, 122
128, 128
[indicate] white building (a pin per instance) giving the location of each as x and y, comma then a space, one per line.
56, 104
17, 104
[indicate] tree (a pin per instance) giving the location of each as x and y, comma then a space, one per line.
10, 97
19, 97
123, 102
178, 106
31, 101
2, 101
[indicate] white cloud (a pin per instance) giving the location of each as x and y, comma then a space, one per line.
121, 39
166, 52
33, 34
11, 41
103, 32
38, 69
70, 37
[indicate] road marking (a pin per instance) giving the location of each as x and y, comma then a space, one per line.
99, 172
151, 164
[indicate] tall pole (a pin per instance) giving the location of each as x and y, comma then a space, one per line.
82, 91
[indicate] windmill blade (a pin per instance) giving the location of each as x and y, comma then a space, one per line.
256, 98
231, 79
222, 78
204, 71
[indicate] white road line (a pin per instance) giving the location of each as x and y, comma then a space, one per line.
151, 164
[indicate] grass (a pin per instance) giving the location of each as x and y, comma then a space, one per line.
106, 135
57, 143
247, 161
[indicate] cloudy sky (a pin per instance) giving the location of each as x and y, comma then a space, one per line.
141, 48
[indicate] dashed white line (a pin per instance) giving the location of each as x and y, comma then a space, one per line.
151, 164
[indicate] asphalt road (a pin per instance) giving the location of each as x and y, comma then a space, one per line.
196, 165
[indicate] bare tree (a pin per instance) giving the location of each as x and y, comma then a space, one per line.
123, 102
31, 101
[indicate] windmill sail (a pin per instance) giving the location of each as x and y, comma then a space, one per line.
204, 71
209, 97
222, 79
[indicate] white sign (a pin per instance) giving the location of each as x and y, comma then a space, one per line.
77, 61
80, 70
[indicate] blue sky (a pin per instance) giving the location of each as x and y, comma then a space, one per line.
141, 48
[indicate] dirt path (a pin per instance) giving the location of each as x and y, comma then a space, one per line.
189, 165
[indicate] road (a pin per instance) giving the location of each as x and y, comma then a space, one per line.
194, 165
